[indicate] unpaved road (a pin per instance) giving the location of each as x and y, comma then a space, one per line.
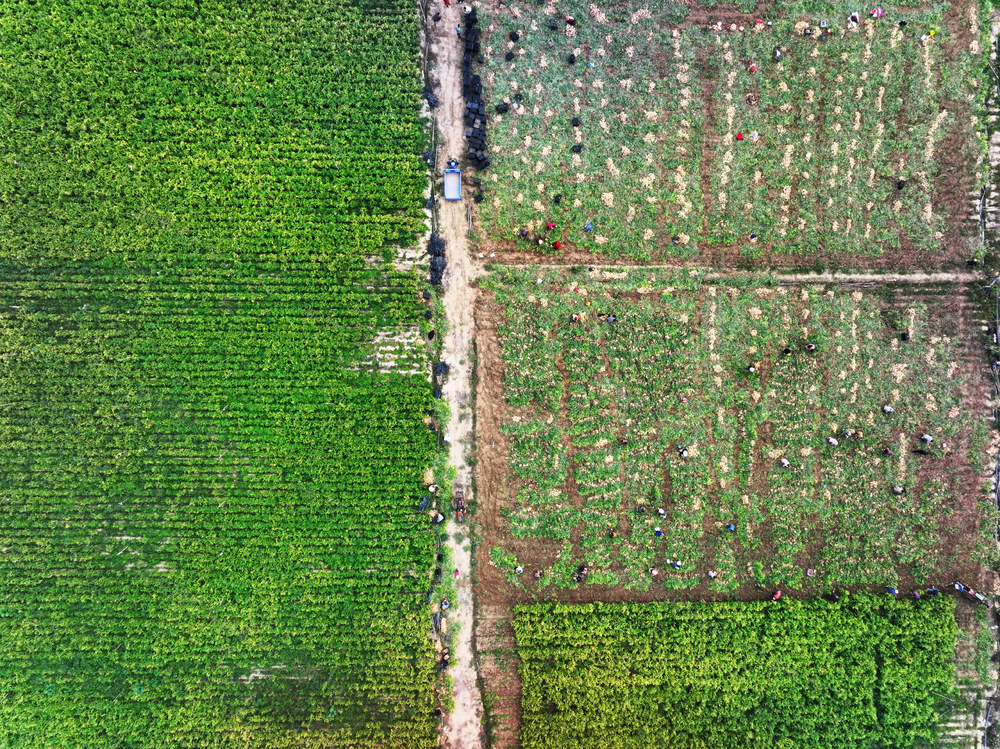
964, 277
463, 728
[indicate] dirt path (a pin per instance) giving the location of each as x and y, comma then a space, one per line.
781, 277
876, 278
463, 727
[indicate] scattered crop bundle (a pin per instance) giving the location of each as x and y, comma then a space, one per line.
821, 144
435, 248
659, 429
863, 672
472, 90
631, 169
210, 531
835, 144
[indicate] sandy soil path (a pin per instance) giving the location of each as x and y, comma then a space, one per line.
780, 276
463, 727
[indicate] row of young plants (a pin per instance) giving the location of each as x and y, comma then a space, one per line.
867, 671
680, 446
804, 149
210, 532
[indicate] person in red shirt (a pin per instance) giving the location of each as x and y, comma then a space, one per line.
550, 226
557, 245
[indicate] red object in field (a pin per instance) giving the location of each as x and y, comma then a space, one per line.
739, 136
557, 245
753, 68
776, 596
550, 225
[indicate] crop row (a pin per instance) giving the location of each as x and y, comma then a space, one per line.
865, 671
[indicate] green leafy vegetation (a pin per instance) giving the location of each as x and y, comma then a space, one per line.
863, 672
702, 406
209, 487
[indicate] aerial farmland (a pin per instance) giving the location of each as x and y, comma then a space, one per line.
514, 374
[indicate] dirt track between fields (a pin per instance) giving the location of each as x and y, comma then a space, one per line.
783, 277
463, 726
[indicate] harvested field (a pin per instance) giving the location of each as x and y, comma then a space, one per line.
589, 428
679, 135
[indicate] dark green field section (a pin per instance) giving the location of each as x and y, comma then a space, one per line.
863, 672
208, 523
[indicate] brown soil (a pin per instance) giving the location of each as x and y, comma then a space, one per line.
497, 659
956, 186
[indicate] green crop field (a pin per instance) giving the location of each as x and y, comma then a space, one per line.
595, 415
209, 533
692, 136
864, 672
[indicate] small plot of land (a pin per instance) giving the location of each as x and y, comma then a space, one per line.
864, 672
632, 438
694, 135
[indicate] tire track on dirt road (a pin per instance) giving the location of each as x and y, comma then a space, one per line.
463, 727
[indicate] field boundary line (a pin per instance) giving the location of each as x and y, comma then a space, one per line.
963, 277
